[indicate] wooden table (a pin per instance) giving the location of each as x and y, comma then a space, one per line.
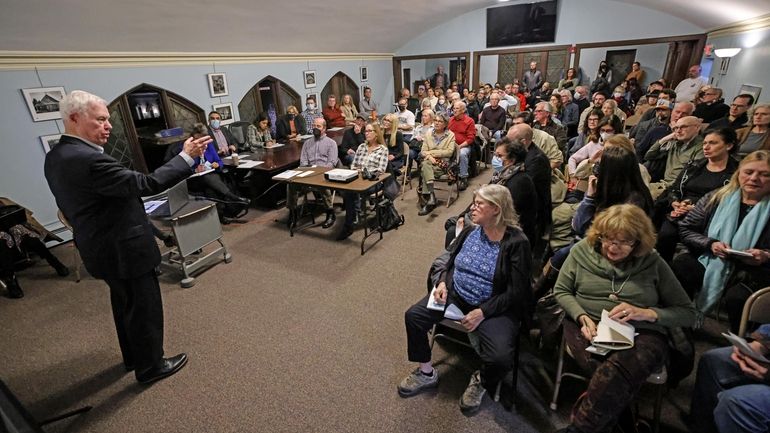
359, 186
261, 186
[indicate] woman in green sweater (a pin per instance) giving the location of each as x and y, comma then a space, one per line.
615, 268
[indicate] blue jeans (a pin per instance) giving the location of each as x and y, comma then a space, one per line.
725, 399
465, 154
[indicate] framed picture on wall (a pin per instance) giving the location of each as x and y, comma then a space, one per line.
310, 80
218, 84
364, 71
43, 102
225, 111
49, 141
751, 90
314, 97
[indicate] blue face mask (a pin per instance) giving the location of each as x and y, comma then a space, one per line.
497, 163
215, 124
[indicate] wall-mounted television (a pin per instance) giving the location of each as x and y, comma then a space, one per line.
521, 24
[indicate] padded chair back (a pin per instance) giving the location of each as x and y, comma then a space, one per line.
239, 131
756, 309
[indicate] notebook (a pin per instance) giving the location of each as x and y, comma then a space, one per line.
613, 335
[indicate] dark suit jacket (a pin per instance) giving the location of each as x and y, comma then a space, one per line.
101, 199
284, 130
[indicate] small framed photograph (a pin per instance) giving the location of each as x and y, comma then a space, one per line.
364, 71
314, 97
43, 102
49, 141
751, 90
225, 111
310, 80
218, 84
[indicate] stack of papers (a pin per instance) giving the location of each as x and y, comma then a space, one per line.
249, 164
288, 174
274, 145
201, 173
452, 312
304, 137
336, 128
305, 173
151, 205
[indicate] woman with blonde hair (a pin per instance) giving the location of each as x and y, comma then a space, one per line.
755, 136
349, 110
394, 141
485, 277
616, 269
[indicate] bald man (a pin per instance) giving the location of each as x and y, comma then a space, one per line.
539, 170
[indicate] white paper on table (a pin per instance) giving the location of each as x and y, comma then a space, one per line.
249, 164
304, 137
305, 173
336, 128
201, 173
288, 174
275, 145
151, 205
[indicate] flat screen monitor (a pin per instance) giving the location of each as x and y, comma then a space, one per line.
521, 24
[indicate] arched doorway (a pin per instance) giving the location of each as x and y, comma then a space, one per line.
340, 84
271, 96
137, 115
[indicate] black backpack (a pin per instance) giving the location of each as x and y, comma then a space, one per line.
388, 217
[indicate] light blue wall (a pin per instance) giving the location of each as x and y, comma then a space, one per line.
22, 155
750, 66
578, 21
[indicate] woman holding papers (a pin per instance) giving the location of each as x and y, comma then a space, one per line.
259, 133
486, 277
616, 269
727, 234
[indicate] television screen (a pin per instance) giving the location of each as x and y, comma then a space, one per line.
521, 24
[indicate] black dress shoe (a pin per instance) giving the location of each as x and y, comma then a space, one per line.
14, 289
165, 368
462, 184
330, 219
345, 233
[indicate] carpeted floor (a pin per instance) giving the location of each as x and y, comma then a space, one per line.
297, 334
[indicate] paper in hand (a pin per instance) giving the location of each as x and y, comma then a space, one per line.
453, 313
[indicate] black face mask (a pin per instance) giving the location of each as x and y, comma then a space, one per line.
291, 116
401, 108
316, 133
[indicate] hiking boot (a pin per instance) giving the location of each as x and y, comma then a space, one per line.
462, 184
470, 402
416, 382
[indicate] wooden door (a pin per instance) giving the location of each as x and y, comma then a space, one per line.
338, 85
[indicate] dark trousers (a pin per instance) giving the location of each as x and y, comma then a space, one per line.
497, 336
137, 308
668, 237
211, 182
615, 378
9, 255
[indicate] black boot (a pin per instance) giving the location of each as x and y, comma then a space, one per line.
330, 219
14, 290
430, 203
462, 184
39, 248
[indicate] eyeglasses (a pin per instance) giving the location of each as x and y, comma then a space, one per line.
478, 204
368, 130
617, 242
593, 119
610, 130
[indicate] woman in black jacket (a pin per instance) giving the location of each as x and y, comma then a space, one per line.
486, 278
284, 128
696, 179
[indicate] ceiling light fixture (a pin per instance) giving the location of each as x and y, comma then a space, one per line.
727, 52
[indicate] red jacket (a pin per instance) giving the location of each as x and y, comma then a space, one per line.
464, 129
333, 117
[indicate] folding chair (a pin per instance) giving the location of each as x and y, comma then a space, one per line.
756, 309
75, 253
407, 170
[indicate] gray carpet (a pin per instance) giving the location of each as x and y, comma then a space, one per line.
297, 334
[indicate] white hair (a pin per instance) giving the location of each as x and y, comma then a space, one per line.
78, 101
545, 106
566, 93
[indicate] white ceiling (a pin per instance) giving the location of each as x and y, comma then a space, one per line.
247, 26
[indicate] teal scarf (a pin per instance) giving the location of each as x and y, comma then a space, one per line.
724, 227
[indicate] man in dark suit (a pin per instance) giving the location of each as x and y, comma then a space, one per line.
101, 199
223, 138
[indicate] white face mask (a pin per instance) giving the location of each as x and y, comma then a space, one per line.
578, 95
311, 106
606, 135
617, 95
441, 101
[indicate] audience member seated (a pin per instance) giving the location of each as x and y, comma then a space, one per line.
571, 113
351, 139
681, 109
736, 118
712, 107
666, 94
311, 113
633, 93
412, 103
648, 101
405, 119
441, 105
544, 122
662, 110
618, 96
290, 126
557, 108
616, 269
667, 156
394, 140
589, 133
317, 151
608, 127
493, 117
696, 179
332, 113
636, 73
259, 133
438, 147
570, 81
18, 239
464, 129
367, 104
472, 106
373, 156
597, 100
755, 136
425, 127
424, 106
580, 97
610, 107
349, 110
737, 217
486, 276
732, 392
543, 140
223, 138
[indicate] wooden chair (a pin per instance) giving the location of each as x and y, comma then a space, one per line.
75, 253
658, 379
407, 170
756, 309
445, 179
473, 343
